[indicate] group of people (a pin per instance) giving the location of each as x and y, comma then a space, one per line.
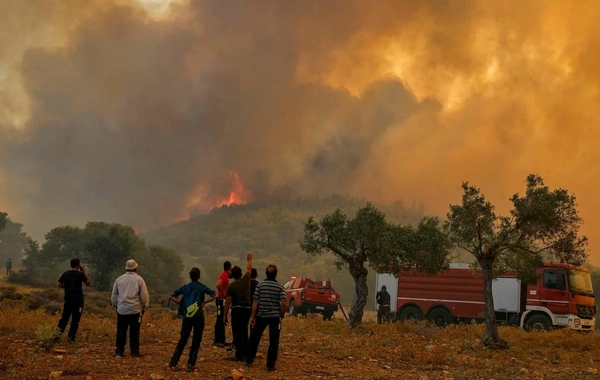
254, 306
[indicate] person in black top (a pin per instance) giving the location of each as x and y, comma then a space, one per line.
71, 281
253, 282
383, 300
238, 299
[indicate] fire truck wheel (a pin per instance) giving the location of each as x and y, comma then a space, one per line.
439, 317
410, 313
538, 322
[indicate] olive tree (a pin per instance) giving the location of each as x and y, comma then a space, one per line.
368, 239
540, 221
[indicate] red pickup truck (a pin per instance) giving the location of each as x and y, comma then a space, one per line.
307, 296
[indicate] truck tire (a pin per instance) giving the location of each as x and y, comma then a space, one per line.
439, 317
410, 313
538, 322
292, 309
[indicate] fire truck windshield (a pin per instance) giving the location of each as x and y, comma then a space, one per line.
580, 283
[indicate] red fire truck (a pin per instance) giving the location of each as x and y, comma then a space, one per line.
562, 297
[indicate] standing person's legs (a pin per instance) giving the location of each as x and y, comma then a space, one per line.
219, 325
257, 331
186, 329
379, 314
196, 341
274, 333
64, 319
122, 324
135, 324
239, 327
76, 313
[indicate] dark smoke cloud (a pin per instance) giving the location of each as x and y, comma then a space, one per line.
131, 116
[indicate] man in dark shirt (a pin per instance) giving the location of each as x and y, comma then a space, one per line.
238, 298
268, 309
71, 281
253, 282
191, 309
383, 300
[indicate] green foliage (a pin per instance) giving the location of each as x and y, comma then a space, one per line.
271, 232
12, 240
3, 220
543, 221
44, 334
369, 239
104, 248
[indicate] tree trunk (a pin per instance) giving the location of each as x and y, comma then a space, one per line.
491, 338
361, 291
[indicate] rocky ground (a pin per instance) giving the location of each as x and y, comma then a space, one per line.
310, 349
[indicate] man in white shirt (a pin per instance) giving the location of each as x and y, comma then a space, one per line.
130, 297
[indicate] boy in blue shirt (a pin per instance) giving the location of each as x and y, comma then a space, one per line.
191, 308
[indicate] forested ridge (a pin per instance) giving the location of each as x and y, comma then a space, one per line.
272, 232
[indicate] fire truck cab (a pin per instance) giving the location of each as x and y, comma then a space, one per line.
562, 297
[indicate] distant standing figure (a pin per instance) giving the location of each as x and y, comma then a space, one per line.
71, 281
268, 309
9, 267
383, 300
222, 285
191, 309
130, 297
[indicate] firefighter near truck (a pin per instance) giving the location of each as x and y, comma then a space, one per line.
562, 297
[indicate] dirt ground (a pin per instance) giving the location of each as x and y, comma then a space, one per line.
310, 349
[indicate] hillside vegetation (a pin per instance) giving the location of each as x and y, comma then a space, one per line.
272, 232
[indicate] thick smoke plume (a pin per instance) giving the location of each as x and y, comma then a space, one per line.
115, 111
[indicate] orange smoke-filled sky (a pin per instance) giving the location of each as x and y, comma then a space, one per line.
120, 110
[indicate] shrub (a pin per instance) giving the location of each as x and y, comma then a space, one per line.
45, 334
53, 308
24, 278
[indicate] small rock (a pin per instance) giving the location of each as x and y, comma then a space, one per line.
236, 374
59, 356
387, 367
156, 376
429, 347
56, 374
593, 371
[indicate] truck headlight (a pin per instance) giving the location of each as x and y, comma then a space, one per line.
576, 321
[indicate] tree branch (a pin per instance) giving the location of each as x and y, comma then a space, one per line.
479, 237
465, 248
337, 251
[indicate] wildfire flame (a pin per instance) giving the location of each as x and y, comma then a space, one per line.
200, 202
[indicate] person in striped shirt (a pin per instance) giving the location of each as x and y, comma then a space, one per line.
268, 308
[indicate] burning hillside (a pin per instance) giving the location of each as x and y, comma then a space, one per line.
201, 201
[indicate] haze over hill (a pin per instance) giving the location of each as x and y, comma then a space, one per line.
271, 231
111, 112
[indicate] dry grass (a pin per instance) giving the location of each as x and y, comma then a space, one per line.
310, 349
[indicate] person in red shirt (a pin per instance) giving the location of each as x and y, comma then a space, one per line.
222, 285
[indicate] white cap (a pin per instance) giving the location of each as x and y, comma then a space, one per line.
131, 264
